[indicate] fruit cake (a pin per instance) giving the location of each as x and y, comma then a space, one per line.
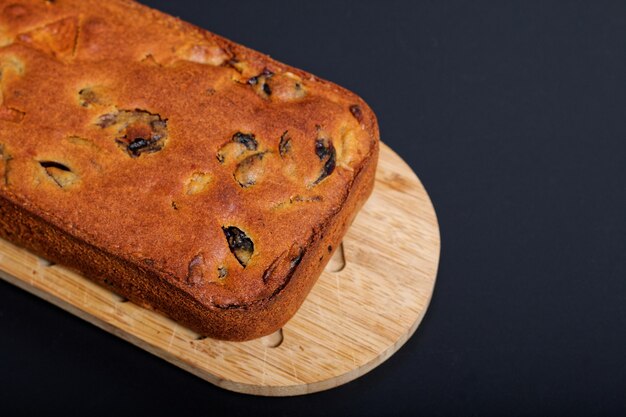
185, 172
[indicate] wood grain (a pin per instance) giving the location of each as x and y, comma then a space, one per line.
357, 315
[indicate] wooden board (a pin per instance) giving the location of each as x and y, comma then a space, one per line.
358, 314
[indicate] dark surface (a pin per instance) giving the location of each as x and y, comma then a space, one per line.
513, 114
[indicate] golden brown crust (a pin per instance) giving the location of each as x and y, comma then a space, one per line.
191, 174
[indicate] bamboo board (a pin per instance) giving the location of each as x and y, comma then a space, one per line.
363, 308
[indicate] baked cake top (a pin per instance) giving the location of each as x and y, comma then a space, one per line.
172, 147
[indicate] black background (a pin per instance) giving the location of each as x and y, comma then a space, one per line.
513, 114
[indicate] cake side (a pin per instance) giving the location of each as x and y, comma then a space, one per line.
212, 178
154, 291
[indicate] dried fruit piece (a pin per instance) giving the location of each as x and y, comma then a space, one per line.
295, 261
325, 151
106, 120
259, 83
222, 272
138, 131
86, 97
240, 244
197, 183
239, 144
249, 170
355, 109
61, 174
323, 148
246, 139
89, 96
284, 147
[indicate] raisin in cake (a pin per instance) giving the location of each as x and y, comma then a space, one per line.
186, 172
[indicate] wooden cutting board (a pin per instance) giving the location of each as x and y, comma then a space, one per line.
359, 313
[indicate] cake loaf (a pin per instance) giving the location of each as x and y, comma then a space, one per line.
187, 173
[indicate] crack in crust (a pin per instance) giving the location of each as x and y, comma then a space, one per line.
293, 265
61, 174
